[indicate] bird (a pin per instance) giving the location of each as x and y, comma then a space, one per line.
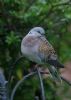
37, 48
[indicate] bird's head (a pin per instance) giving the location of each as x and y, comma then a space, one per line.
37, 30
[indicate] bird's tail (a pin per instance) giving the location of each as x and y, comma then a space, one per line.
55, 74
55, 63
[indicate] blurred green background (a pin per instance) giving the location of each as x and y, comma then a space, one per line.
17, 17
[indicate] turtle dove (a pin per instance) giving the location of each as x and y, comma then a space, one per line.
37, 49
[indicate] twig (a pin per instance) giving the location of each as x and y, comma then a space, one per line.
69, 83
41, 84
18, 84
24, 78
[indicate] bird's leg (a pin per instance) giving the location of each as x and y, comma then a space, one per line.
36, 66
33, 66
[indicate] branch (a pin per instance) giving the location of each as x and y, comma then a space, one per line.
69, 83
18, 84
24, 78
41, 84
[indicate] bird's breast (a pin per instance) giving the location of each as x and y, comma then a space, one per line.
31, 52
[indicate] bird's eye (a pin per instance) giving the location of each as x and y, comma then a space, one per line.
38, 31
30, 33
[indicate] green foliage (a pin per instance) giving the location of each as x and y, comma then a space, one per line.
12, 39
17, 17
